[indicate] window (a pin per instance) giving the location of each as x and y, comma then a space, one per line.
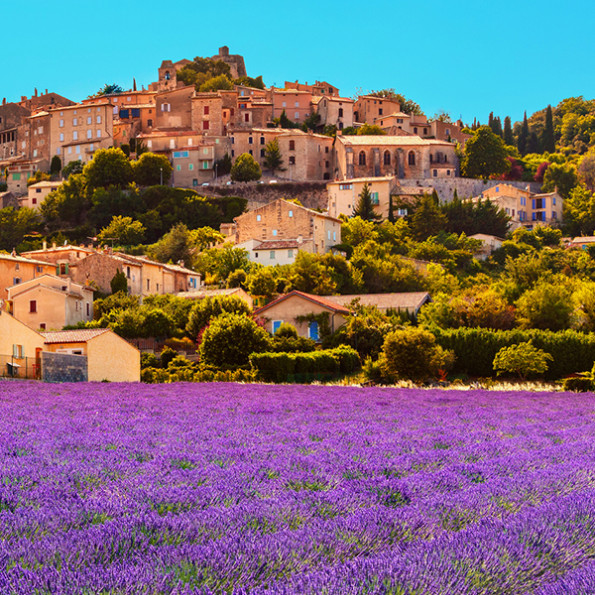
17, 351
292, 145
375, 198
98, 134
313, 330
62, 137
178, 167
415, 130
329, 234
88, 309
75, 135
258, 217
292, 160
380, 111
274, 232
250, 140
553, 201
435, 172
345, 186
290, 213
284, 104
205, 125
89, 133
340, 112
262, 153
386, 158
272, 255
334, 236
246, 117
190, 166
88, 119
205, 165
290, 253
16, 280
276, 325
251, 152
172, 143
411, 158
75, 121
205, 110
150, 123
166, 107
362, 158
296, 115
98, 120
61, 124
523, 200
297, 104
42, 326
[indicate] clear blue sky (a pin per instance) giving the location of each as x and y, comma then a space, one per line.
468, 57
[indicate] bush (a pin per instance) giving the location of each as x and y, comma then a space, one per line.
183, 344
245, 169
230, 339
579, 384
286, 330
209, 307
522, 359
475, 349
289, 367
412, 354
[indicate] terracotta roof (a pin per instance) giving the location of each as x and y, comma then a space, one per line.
277, 245
412, 300
45, 184
23, 259
325, 302
362, 140
76, 336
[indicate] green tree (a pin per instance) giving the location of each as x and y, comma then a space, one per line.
109, 167
119, 283
560, 176
584, 301
110, 89
586, 170
223, 166
580, 209
407, 105
548, 141
217, 83
312, 122
122, 230
412, 354
522, 359
370, 130
174, 246
229, 340
151, 169
484, 155
15, 224
546, 306
365, 206
523, 138
157, 323
55, 165
72, 167
245, 169
210, 307
237, 279
262, 283
428, 219
508, 136
272, 156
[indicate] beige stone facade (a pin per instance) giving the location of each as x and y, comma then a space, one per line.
18, 340
282, 220
18, 269
321, 88
37, 193
343, 196
400, 156
49, 302
368, 108
335, 111
524, 207
296, 104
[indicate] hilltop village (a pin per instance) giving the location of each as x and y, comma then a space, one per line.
125, 213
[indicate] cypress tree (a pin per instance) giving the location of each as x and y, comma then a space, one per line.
491, 121
548, 140
365, 206
508, 137
497, 127
533, 143
523, 136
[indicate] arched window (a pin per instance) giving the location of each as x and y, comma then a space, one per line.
411, 158
167, 75
386, 158
362, 158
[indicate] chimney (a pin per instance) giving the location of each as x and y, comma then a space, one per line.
46, 91
53, 244
4, 101
44, 245
35, 94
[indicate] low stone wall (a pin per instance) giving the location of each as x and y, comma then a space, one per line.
312, 195
63, 367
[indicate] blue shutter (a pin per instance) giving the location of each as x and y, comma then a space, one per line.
276, 325
313, 330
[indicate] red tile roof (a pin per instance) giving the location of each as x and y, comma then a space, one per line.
321, 301
75, 336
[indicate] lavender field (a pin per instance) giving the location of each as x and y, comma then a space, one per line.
225, 488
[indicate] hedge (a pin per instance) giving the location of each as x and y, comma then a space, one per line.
290, 367
475, 349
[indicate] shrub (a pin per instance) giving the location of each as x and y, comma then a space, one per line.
475, 349
286, 330
230, 339
210, 307
522, 359
412, 354
579, 384
167, 355
183, 344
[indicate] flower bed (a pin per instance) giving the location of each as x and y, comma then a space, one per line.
212, 488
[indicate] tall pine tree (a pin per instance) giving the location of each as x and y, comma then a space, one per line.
497, 126
548, 141
508, 137
365, 206
523, 136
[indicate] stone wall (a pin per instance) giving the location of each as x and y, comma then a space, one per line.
465, 187
312, 195
63, 367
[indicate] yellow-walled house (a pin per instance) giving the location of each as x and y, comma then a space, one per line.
109, 357
20, 348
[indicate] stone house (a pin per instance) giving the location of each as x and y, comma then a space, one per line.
525, 208
368, 108
321, 88
305, 312
296, 104
37, 193
282, 220
343, 195
109, 357
49, 302
173, 108
235, 62
273, 252
400, 156
409, 301
18, 269
78, 131
335, 111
